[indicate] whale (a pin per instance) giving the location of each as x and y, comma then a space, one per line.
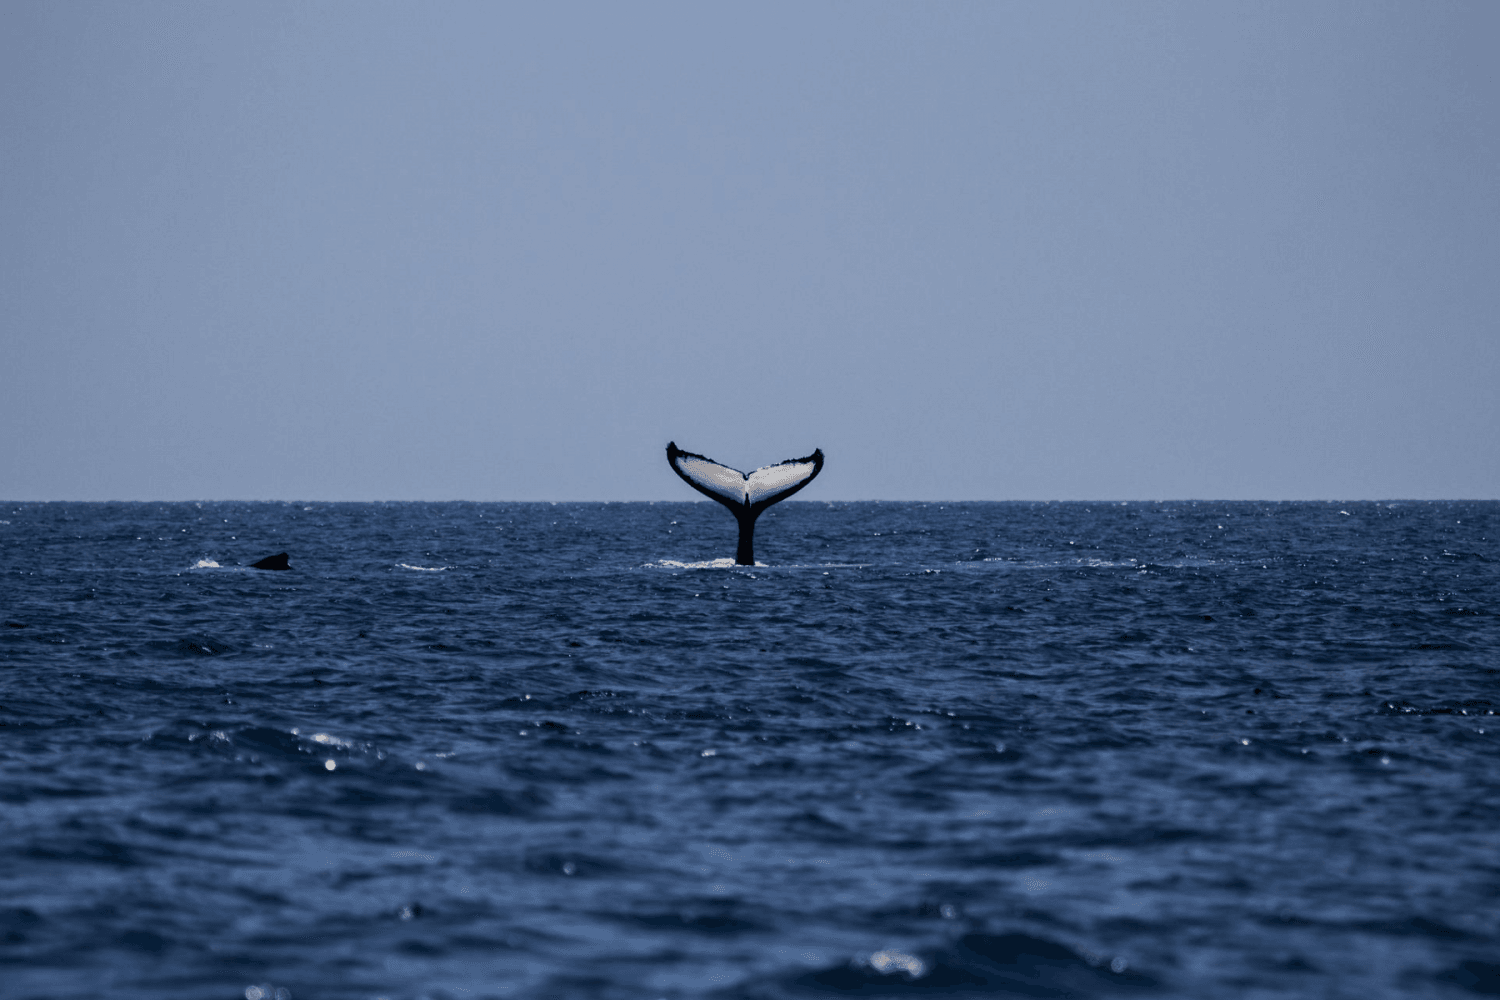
278, 561
746, 494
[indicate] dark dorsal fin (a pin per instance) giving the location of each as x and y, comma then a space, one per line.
278, 561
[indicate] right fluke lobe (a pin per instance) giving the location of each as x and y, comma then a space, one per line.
278, 561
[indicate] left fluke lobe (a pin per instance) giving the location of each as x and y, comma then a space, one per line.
278, 561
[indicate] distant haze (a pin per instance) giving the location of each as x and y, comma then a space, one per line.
971, 250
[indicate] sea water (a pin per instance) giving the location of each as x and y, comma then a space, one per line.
473, 750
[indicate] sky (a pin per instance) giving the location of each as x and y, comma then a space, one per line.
973, 251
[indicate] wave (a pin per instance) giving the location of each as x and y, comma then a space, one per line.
1090, 563
727, 563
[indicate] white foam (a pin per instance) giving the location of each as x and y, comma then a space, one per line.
890, 961
205, 564
424, 569
725, 563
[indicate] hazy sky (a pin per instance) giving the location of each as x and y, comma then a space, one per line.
972, 250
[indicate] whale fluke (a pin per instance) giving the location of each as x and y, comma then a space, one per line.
278, 561
746, 494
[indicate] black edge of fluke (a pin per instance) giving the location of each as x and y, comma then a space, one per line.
278, 561
743, 510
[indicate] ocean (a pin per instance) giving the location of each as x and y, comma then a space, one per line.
521, 750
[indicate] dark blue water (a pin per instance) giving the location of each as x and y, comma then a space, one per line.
532, 750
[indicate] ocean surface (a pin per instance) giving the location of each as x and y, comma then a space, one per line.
468, 750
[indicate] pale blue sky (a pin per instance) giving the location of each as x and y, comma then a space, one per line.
972, 250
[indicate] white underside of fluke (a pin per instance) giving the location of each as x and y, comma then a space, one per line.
741, 488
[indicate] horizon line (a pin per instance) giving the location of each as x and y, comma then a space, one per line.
1099, 500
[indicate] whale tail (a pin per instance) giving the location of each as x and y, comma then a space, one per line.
746, 494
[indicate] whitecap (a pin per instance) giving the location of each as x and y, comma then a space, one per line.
889, 962
205, 564
424, 569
